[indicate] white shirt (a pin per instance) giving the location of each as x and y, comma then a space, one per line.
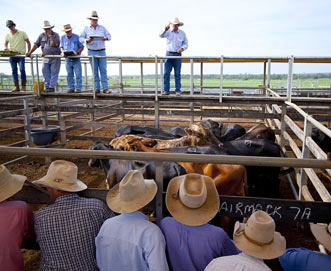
131, 242
240, 262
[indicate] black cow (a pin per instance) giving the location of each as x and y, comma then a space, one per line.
321, 139
262, 181
207, 149
214, 127
232, 132
258, 132
143, 130
177, 131
116, 169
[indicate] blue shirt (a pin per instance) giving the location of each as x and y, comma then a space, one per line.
304, 260
66, 231
193, 247
130, 242
47, 46
175, 40
72, 44
99, 31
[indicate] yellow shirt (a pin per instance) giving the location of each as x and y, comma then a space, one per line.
17, 41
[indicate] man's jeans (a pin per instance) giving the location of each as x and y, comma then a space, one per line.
99, 64
51, 69
168, 65
74, 67
21, 63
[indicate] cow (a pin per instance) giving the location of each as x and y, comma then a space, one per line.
197, 135
262, 181
321, 139
116, 169
177, 131
257, 132
143, 130
232, 132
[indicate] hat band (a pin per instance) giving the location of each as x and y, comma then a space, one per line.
257, 242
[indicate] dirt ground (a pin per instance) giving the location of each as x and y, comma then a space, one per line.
296, 234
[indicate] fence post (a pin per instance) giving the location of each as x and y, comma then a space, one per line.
290, 78
156, 79
159, 194
93, 77
221, 79
27, 127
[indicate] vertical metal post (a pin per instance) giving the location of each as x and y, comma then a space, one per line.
120, 73
290, 78
192, 90
159, 194
32, 73
93, 77
283, 126
27, 127
269, 73
264, 74
142, 76
156, 80
92, 117
161, 75
305, 154
61, 123
86, 78
201, 77
157, 114
44, 113
221, 79
38, 80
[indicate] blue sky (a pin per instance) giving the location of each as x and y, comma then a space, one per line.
213, 27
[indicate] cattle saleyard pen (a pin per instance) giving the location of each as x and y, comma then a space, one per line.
289, 112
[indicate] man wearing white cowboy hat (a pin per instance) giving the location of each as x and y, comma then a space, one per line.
49, 42
258, 240
70, 44
67, 228
130, 241
305, 259
176, 44
16, 221
95, 36
193, 200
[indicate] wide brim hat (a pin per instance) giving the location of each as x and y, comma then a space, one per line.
132, 193
66, 28
10, 184
62, 175
270, 248
94, 16
192, 216
176, 21
322, 233
47, 25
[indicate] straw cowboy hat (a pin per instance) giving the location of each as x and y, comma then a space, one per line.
62, 175
132, 193
47, 25
10, 184
67, 27
258, 237
192, 199
322, 233
94, 15
176, 21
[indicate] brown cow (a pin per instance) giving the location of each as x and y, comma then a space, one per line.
259, 131
197, 135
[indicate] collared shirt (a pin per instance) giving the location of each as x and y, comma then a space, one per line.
71, 45
47, 46
240, 262
193, 247
99, 31
66, 231
16, 224
175, 40
17, 41
305, 260
130, 242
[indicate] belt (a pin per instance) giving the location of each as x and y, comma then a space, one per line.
173, 52
97, 50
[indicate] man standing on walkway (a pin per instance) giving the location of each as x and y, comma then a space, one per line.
95, 36
50, 45
70, 45
176, 44
17, 39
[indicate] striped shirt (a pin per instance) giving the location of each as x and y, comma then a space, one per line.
66, 231
175, 40
240, 262
99, 31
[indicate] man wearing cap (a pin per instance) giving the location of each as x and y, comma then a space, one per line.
16, 221
305, 259
17, 39
258, 240
70, 44
50, 45
95, 36
176, 44
67, 228
130, 241
193, 200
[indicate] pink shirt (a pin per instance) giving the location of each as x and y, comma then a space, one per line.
16, 224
